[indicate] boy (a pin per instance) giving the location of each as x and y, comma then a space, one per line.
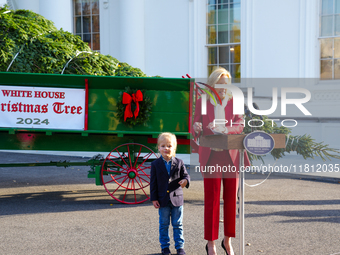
168, 177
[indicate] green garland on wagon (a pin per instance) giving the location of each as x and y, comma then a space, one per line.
145, 107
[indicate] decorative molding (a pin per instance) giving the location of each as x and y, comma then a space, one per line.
329, 95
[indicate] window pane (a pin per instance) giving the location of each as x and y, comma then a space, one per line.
212, 55
211, 69
226, 67
337, 69
223, 14
235, 54
327, 7
77, 25
96, 42
223, 33
326, 46
337, 48
337, 25
226, 14
235, 12
326, 25
211, 34
224, 54
87, 24
235, 34
212, 14
337, 6
95, 7
87, 38
86, 7
77, 7
326, 69
235, 71
95, 23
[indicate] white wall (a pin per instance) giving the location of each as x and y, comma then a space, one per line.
2, 2
32, 5
132, 19
279, 39
152, 35
60, 12
167, 37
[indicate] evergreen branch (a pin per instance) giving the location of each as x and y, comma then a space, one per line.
303, 145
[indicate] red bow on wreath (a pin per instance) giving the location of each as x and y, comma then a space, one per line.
127, 99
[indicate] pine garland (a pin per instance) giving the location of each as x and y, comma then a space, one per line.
45, 49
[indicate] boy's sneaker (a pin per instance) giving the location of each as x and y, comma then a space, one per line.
166, 251
180, 251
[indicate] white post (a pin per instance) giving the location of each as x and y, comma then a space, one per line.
241, 202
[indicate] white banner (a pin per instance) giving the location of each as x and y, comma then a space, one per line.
40, 107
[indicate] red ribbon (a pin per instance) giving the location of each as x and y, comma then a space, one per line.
127, 99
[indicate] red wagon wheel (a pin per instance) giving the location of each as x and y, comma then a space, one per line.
126, 173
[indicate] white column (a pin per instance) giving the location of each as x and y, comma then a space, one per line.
198, 57
247, 39
60, 12
131, 37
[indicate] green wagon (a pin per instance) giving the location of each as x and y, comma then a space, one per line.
39, 112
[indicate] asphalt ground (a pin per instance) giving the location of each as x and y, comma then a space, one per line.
53, 210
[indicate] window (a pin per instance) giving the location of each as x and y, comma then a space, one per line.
86, 22
330, 39
223, 35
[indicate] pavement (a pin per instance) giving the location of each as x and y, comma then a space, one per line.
53, 210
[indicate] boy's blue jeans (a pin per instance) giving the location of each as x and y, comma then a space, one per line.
176, 215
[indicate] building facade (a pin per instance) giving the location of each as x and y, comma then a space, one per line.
294, 43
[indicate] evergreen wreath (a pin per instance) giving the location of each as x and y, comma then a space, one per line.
144, 108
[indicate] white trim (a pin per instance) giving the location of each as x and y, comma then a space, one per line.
192, 39
104, 27
302, 38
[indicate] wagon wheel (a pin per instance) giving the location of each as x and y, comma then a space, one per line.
125, 173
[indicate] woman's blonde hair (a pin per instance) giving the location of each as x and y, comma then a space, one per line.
168, 136
216, 75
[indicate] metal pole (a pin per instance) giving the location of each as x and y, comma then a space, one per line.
241, 202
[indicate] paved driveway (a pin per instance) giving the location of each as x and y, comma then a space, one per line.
52, 210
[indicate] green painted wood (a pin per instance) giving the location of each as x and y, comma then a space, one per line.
75, 142
95, 82
159, 122
170, 113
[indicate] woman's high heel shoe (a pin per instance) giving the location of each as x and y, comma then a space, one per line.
222, 244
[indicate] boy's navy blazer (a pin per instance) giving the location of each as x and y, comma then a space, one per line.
163, 188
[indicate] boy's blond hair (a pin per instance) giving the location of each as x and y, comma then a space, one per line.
169, 136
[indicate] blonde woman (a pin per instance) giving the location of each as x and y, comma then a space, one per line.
229, 159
